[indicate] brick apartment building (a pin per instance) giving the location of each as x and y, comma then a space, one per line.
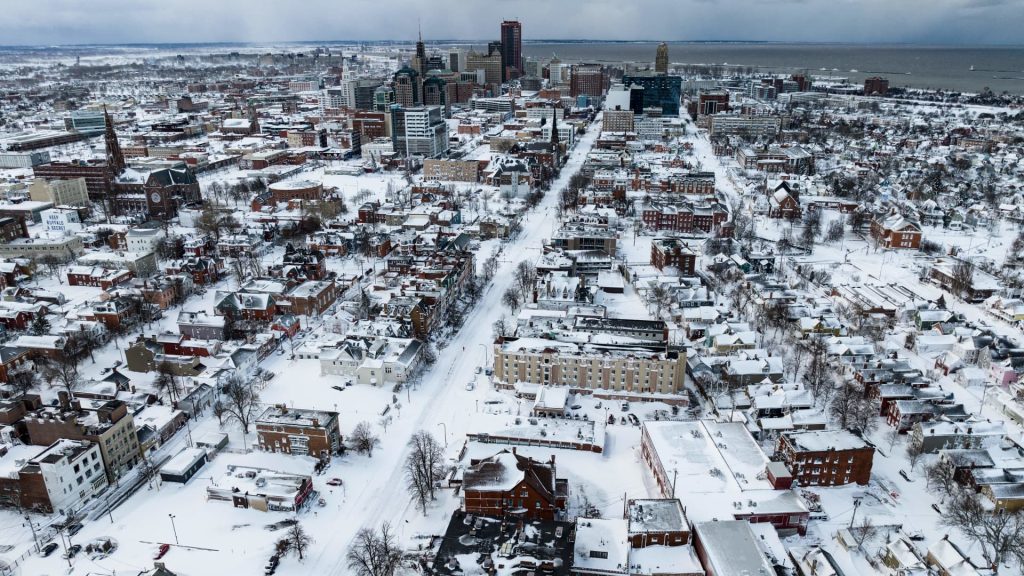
669, 252
826, 458
684, 217
895, 231
299, 432
106, 423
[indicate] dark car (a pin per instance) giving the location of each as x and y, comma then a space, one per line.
49, 549
73, 550
74, 529
338, 388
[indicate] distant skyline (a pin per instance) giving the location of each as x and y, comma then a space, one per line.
947, 22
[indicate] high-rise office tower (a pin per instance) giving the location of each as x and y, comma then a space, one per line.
661, 60
455, 59
407, 84
511, 49
419, 61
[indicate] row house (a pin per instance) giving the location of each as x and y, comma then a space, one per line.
204, 270
686, 218
311, 298
97, 276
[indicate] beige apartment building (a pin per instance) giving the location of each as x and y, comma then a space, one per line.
633, 369
451, 170
72, 192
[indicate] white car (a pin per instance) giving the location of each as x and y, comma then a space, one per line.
470, 386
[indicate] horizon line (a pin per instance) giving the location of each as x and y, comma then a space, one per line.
525, 41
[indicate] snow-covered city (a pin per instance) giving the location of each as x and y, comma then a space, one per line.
469, 308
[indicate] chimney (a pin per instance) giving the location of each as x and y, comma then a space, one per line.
64, 398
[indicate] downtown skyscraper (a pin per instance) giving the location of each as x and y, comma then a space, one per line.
511, 49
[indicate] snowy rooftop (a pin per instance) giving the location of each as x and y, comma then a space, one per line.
661, 515
820, 441
601, 545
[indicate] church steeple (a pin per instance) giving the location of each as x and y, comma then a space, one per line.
115, 159
554, 126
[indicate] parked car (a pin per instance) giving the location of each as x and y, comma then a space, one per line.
906, 476
339, 388
162, 551
334, 482
470, 386
49, 549
625, 406
74, 529
479, 369
75, 549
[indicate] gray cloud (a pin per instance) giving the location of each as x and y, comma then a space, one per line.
145, 21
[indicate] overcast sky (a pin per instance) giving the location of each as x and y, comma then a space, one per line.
146, 21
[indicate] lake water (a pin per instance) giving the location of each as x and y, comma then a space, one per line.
938, 67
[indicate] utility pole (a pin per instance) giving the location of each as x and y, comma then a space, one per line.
675, 474
856, 504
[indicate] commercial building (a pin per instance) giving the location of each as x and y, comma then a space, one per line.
754, 126
64, 249
70, 192
826, 458
261, 489
420, 131
23, 159
511, 49
86, 122
720, 473
96, 173
408, 88
661, 59
299, 432
491, 64
876, 86
661, 91
588, 80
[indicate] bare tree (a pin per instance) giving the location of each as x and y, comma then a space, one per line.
963, 277
864, 531
165, 381
941, 477
373, 553
660, 297
511, 298
852, 409
239, 402
915, 450
61, 371
524, 277
819, 371
1000, 533
296, 540
363, 439
424, 467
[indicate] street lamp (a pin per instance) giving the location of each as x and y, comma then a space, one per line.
445, 430
174, 528
33, 528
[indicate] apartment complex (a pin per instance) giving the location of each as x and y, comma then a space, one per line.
634, 369
826, 458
